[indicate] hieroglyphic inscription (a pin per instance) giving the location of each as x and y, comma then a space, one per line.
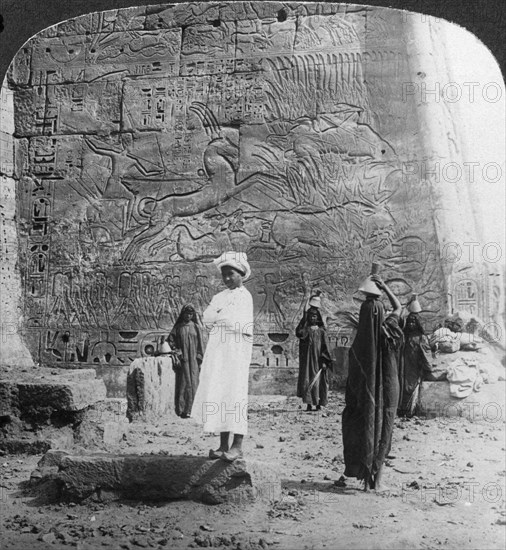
68, 109
160, 137
105, 55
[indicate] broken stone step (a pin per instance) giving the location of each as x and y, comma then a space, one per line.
159, 478
31, 393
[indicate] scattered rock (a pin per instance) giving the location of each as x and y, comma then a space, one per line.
48, 538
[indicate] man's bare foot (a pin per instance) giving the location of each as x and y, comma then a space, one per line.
217, 454
309, 408
232, 455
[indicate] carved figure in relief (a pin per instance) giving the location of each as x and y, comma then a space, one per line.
163, 311
234, 230
222, 177
222, 185
186, 245
59, 314
319, 31
270, 312
121, 162
309, 139
118, 48
307, 286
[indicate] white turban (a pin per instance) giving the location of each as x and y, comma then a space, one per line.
237, 260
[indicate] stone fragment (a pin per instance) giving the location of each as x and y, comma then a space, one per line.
488, 404
36, 394
105, 423
150, 389
160, 478
41, 407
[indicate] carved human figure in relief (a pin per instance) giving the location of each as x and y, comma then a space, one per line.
270, 311
221, 163
121, 162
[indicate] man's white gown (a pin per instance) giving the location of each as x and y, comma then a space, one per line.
221, 400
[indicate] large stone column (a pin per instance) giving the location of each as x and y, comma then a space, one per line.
454, 114
13, 350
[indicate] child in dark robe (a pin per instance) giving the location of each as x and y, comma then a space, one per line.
186, 340
415, 360
314, 358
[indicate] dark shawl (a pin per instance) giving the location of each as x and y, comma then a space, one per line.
372, 391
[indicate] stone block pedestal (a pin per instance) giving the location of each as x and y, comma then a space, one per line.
150, 389
44, 408
159, 478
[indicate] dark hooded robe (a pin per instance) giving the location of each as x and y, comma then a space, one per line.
372, 391
313, 356
186, 338
415, 361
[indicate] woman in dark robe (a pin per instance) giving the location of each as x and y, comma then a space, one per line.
372, 388
415, 361
186, 340
313, 356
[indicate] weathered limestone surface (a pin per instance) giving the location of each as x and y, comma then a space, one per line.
160, 478
104, 424
45, 409
13, 350
488, 404
38, 393
146, 141
150, 389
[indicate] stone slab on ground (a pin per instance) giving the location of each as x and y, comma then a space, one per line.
150, 389
41, 408
39, 392
488, 404
159, 478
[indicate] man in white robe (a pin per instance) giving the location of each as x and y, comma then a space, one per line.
221, 401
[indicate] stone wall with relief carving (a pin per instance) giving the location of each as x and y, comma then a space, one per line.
149, 140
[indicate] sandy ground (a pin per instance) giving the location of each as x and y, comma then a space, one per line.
447, 478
